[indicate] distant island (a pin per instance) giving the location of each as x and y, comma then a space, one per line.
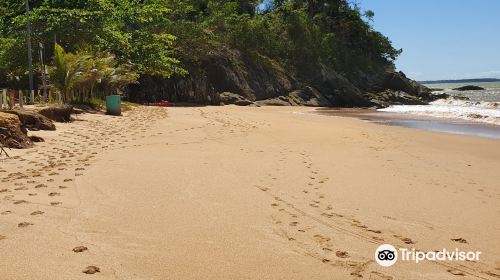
462, 81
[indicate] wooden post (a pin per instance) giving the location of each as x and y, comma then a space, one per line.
12, 99
21, 98
32, 97
3, 99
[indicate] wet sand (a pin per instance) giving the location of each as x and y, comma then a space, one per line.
415, 121
255, 193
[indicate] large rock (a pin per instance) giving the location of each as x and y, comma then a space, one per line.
275, 101
11, 133
390, 97
57, 113
335, 88
233, 98
390, 87
469, 87
32, 120
307, 96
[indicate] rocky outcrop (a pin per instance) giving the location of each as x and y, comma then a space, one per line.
339, 91
12, 134
233, 98
391, 97
222, 70
307, 96
387, 88
469, 87
227, 76
33, 120
57, 113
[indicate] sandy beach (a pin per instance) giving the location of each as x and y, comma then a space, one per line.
246, 193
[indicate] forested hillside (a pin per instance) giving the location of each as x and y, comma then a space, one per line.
279, 52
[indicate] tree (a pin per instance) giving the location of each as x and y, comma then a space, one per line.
77, 75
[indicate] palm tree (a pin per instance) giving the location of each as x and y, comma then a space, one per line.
77, 75
67, 71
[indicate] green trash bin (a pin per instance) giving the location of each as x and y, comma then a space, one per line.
113, 105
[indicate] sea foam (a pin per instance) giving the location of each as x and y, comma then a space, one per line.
487, 112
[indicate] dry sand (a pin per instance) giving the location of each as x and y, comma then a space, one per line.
245, 193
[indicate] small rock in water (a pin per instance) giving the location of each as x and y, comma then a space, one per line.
80, 249
91, 270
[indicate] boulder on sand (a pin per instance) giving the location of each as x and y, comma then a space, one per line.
233, 98
32, 120
11, 133
57, 113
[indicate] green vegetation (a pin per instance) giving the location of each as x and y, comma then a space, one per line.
98, 46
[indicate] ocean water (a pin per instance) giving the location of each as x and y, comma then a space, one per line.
481, 106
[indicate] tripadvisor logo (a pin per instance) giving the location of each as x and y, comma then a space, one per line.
387, 255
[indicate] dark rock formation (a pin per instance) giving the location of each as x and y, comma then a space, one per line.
387, 88
57, 113
222, 70
33, 120
233, 98
11, 133
469, 87
391, 97
35, 139
227, 76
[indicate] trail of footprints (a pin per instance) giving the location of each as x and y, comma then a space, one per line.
309, 223
32, 184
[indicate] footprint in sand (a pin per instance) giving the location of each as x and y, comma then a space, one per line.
24, 224
55, 203
20, 201
91, 270
460, 240
380, 276
80, 249
54, 194
456, 272
406, 240
37, 213
40, 186
342, 254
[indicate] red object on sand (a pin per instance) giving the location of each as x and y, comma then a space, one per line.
164, 103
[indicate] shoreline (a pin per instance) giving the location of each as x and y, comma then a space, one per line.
427, 123
220, 192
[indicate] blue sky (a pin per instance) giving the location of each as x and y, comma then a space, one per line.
442, 39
